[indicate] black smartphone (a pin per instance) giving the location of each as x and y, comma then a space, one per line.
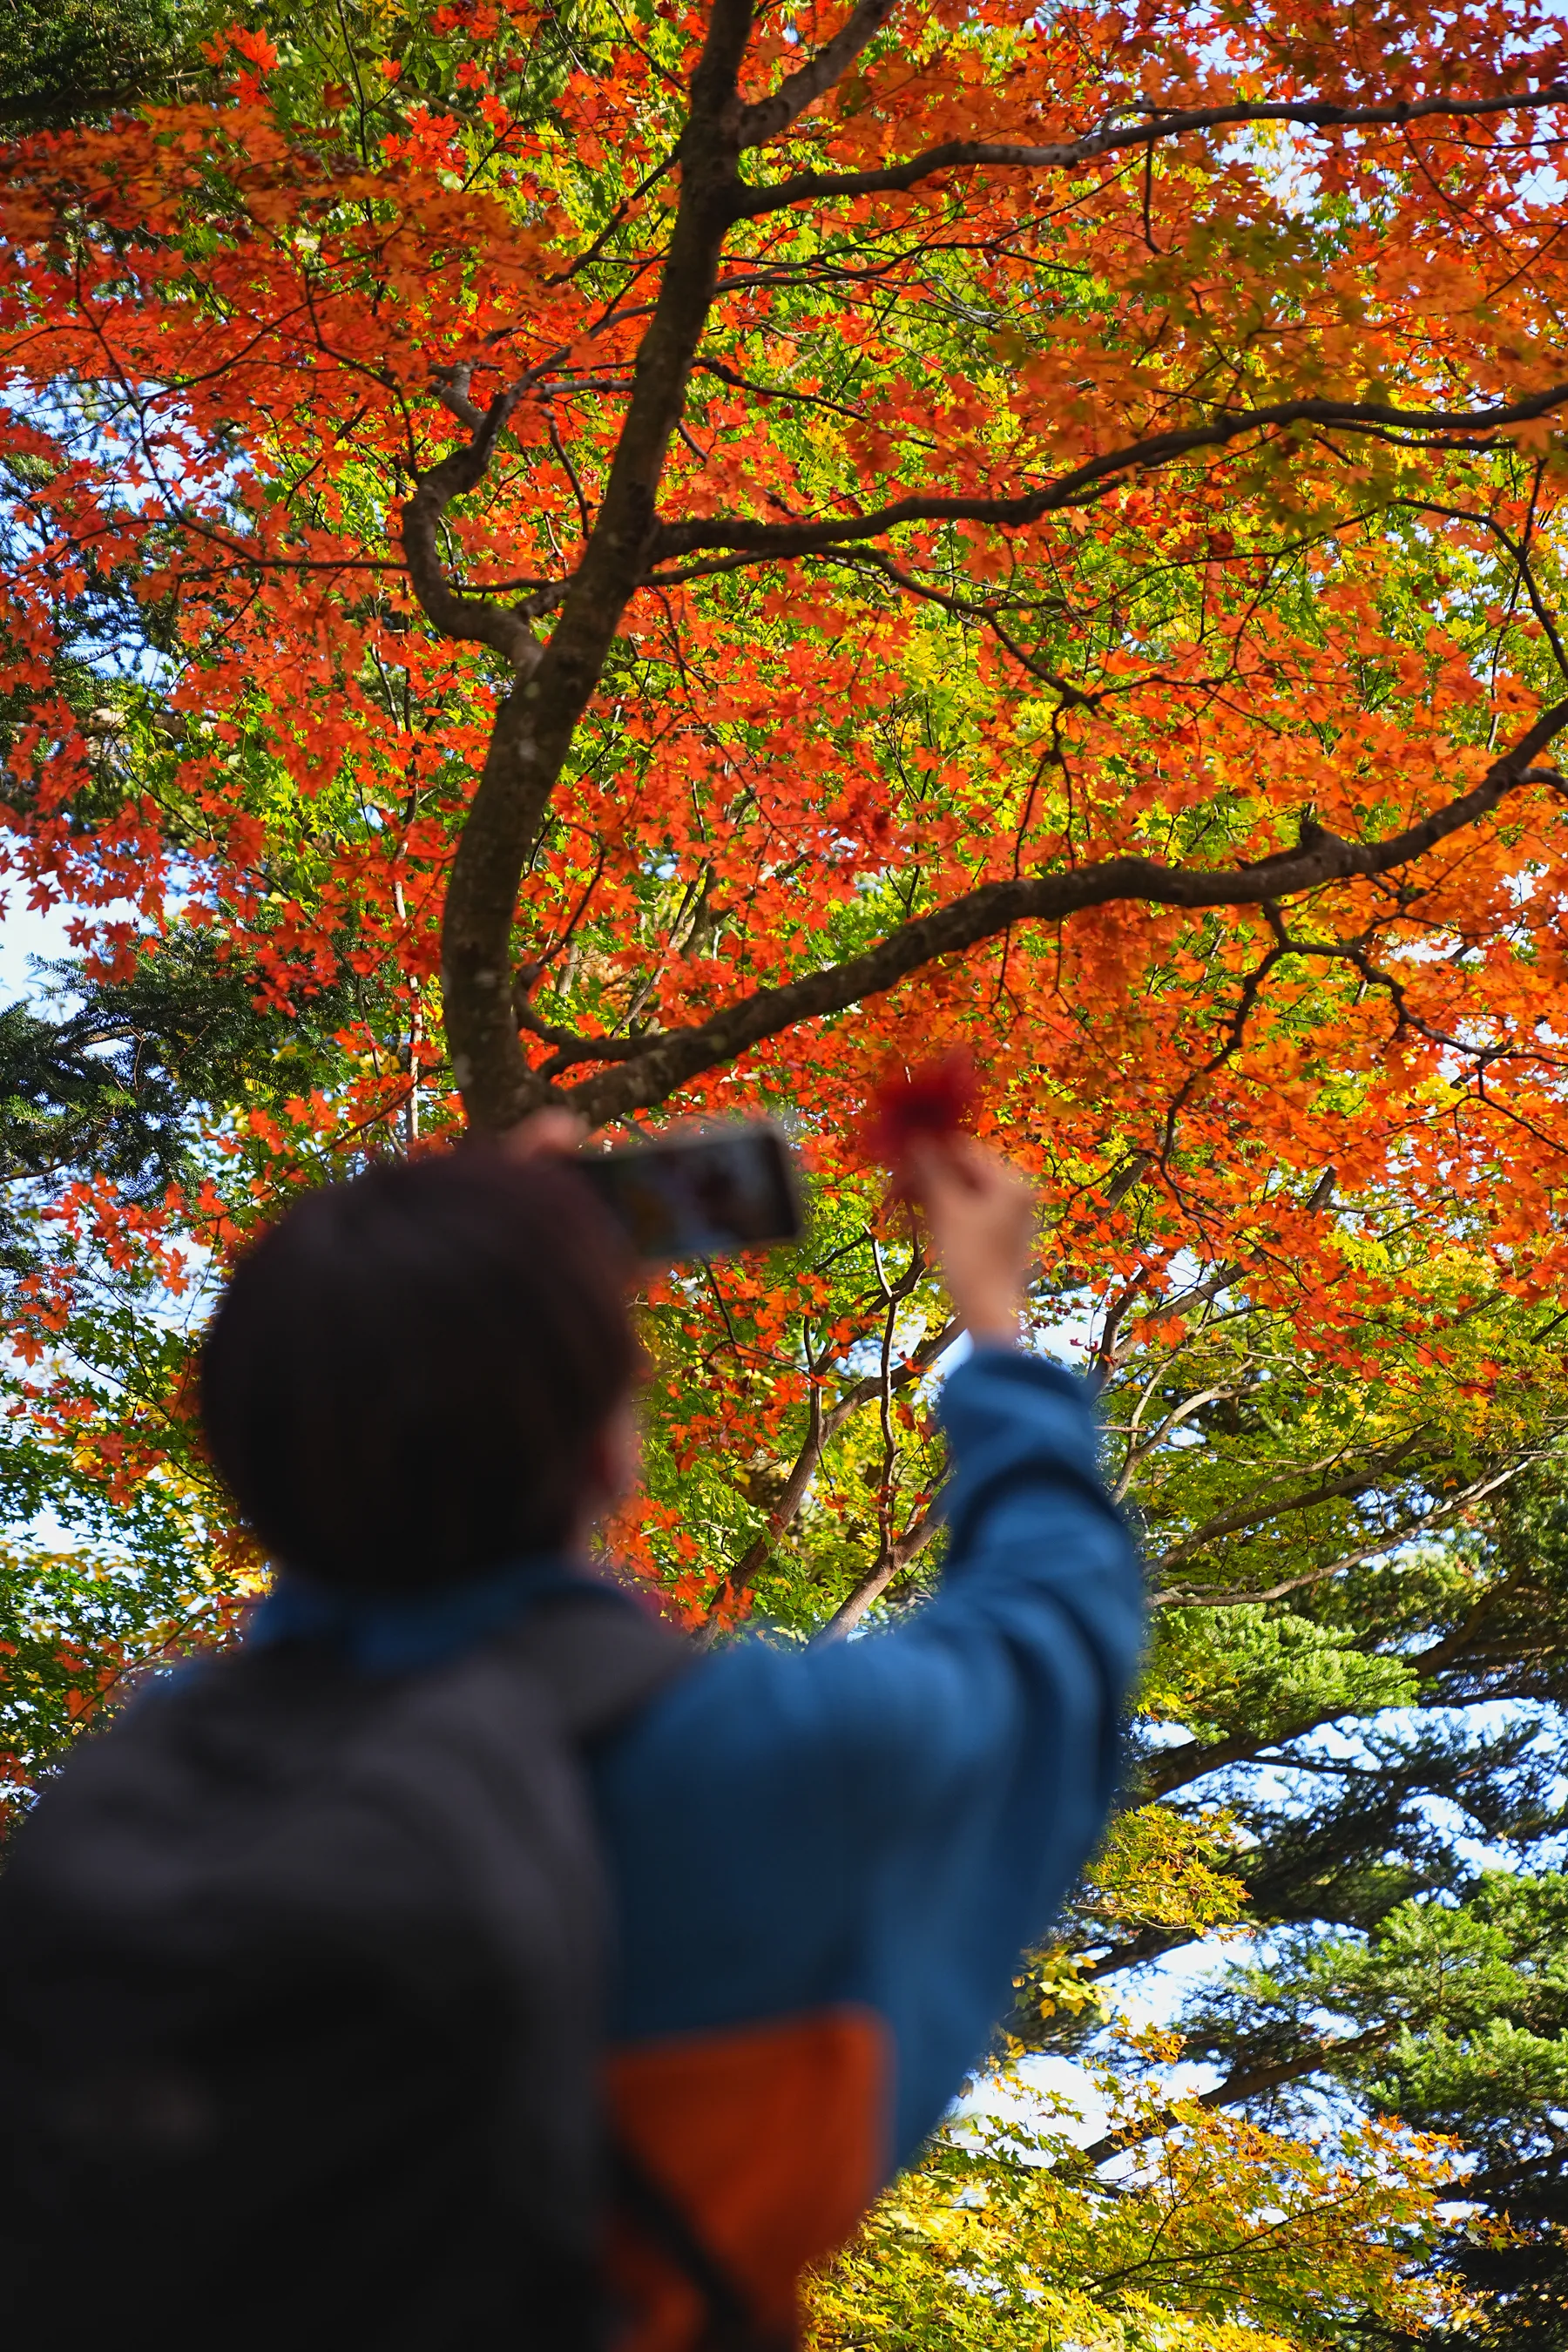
702, 1193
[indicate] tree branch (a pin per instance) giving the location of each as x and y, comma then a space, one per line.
956, 154
683, 1054
1177, 1768
1250, 2082
769, 541
536, 723
470, 618
1521, 562
1139, 1448
823, 1428
1351, 1483
1174, 1598
817, 76
870, 1589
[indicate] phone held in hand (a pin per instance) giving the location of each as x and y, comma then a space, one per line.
702, 1193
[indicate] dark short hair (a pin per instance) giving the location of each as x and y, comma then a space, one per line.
405, 1374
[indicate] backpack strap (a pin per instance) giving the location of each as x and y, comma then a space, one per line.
643, 2201
601, 1654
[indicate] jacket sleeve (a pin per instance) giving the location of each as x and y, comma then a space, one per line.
889, 1820
1015, 1677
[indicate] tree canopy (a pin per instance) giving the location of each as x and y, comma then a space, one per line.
665, 558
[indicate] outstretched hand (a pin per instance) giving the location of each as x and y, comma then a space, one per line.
981, 1214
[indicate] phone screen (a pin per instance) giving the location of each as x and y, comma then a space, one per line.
700, 1195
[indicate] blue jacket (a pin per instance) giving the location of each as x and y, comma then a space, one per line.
826, 1864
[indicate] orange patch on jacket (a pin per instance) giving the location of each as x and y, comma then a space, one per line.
773, 2141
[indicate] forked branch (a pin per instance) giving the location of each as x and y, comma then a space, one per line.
816, 76
471, 619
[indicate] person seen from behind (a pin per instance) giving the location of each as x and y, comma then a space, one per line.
468, 1960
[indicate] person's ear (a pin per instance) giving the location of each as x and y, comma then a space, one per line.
546, 1131
615, 1457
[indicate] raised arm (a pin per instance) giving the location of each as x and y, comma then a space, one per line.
887, 1822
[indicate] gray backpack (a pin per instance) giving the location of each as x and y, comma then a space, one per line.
299, 1988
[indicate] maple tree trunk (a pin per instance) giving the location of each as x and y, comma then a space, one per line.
536, 722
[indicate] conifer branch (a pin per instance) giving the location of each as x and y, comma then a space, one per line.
1388, 1539
1243, 2084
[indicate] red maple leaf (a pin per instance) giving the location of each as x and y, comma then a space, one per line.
935, 1100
